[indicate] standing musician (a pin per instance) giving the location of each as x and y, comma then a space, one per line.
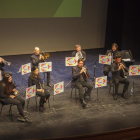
2, 64
114, 51
34, 79
37, 58
79, 80
119, 72
79, 53
8, 95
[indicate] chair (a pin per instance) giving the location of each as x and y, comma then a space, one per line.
112, 84
3, 104
36, 102
76, 93
126, 54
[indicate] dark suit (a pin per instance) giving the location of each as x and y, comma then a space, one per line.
35, 62
32, 80
78, 83
3, 72
107, 68
83, 54
118, 77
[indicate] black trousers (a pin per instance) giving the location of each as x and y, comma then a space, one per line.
48, 77
19, 102
42, 96
5, 72
80, 86
107, 69
121, 80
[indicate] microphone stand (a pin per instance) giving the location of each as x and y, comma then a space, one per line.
94, 72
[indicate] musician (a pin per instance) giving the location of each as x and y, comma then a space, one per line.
114, 51
34, 79
119, 71
79, 80
79, 53
7, 90
36, 58
2, 64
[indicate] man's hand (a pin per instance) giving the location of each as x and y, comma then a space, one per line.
81, 71
12, 96
120, 67
41, 57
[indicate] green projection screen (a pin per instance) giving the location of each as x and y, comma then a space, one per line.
40, 8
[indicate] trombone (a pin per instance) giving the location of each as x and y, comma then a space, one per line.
44, 55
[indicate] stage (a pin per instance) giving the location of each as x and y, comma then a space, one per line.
65, 117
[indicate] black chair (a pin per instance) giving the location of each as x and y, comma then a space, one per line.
76, 92
126, 54
36, 102
112, 84
3, 104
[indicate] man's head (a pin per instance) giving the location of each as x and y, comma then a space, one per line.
80, 63
118, 58
114, 47
36, 50
78, 47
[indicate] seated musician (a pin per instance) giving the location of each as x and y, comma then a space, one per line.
119, 71
34, 79
114, 51
8, 96
79, 53
36, 58
2, 64
79, 80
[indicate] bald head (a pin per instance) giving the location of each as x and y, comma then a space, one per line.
36, 50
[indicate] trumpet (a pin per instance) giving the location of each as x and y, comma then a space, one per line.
124, 73
44, 55
84, 69
5, 62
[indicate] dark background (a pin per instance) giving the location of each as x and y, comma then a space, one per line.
123, 25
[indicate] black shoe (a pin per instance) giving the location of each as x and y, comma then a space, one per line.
20, 118
124, 96
115, 97
27, 120
83, 103
49, 85
41, 109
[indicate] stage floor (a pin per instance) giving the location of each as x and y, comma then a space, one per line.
65, 117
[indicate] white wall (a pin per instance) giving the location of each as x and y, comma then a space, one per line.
20, 36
